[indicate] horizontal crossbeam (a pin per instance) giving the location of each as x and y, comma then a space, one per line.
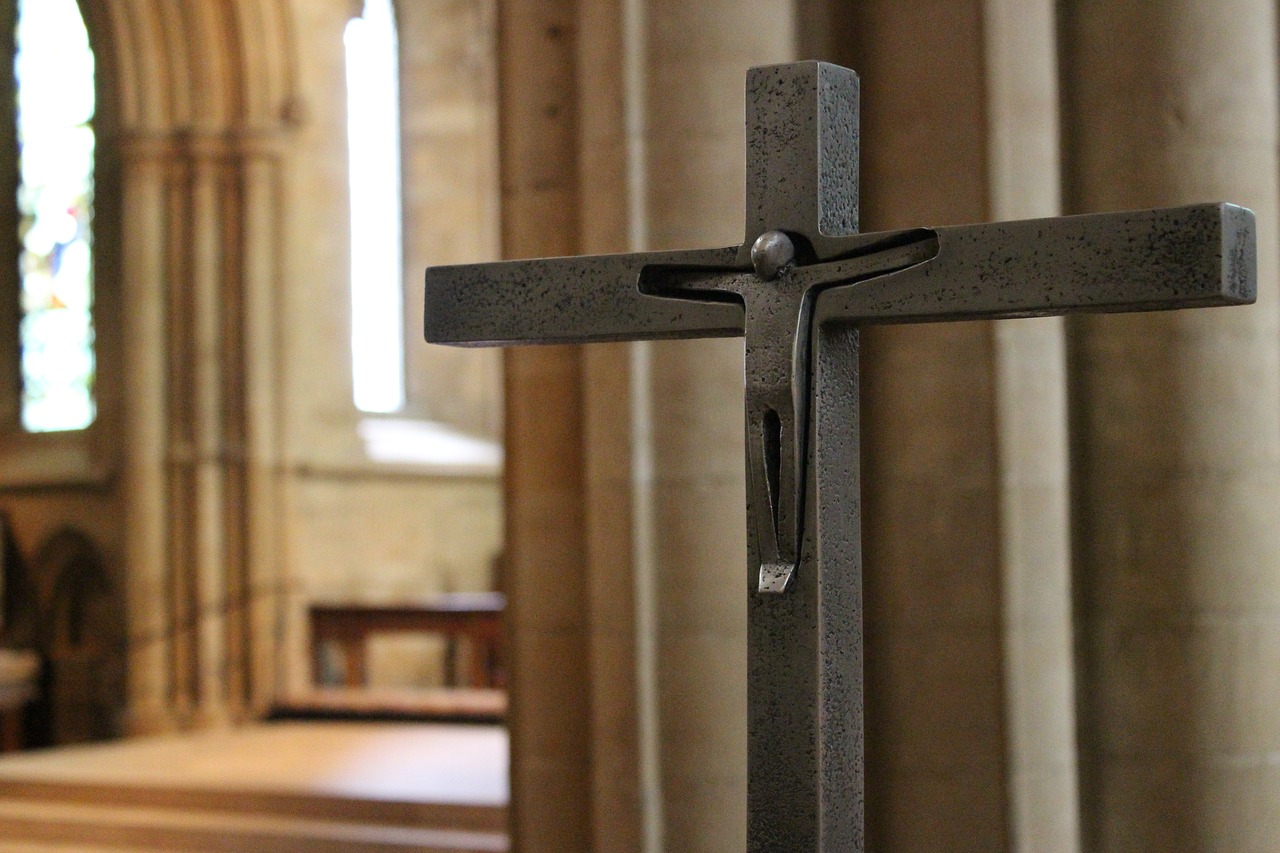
1149, 260
1180, 257
573, 300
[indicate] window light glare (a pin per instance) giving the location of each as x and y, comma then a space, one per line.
54, 72
373, 135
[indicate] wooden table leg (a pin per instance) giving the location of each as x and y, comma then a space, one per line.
11, 730
450, 661
483, 659
353, 657
317, 663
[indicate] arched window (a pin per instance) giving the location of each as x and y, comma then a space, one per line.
377, 256
54, 77
425, 408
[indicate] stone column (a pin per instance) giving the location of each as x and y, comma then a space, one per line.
968, 659
548, 617
691, 394
1177, 422
201, 346
1031, 423
150, 676
182, 566
657, 722
935, 715
627, 808
661, 160
206, 424
257, 627
204, 456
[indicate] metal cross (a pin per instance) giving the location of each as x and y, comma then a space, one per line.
798, 288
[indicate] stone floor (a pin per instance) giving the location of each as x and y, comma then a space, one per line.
289, 786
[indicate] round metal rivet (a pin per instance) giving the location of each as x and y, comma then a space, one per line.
771, 252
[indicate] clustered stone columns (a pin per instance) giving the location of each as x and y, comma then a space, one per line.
199, 139
1174, 433
1177, 424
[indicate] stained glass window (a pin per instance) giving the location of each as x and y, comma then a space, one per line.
55, 92
373, 137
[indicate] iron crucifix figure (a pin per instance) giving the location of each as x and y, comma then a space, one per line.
799, 288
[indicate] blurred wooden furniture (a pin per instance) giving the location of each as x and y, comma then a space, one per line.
394, 705
14, 699
474, 617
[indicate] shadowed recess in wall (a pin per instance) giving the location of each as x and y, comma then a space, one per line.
80, 637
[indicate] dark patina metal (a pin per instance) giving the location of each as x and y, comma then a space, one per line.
799, 287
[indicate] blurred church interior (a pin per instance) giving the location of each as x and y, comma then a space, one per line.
278, 576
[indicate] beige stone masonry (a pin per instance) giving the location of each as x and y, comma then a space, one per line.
935, 720
1177, 475
1031, 421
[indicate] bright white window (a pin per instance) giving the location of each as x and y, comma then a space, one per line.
373, 132
54, 70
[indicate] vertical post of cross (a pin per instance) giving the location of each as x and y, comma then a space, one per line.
805, 743
802, 150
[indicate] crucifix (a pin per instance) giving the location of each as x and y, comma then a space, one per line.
799, 288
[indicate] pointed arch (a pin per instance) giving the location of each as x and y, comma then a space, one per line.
197, 67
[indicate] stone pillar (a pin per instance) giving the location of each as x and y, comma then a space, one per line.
653, 739
548, 617
206, 430
256, 628
1177, 422
691, 396
203, 372
968, 659
203, 462
935, 715
1031, 424
150, 677
627, 813
177, 451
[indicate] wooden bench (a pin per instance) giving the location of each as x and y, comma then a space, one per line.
474, 617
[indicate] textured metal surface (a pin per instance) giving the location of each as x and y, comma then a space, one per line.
562, 300
1180, 257
802, 150
798, 287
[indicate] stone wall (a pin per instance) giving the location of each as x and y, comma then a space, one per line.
358, 530
225, 482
